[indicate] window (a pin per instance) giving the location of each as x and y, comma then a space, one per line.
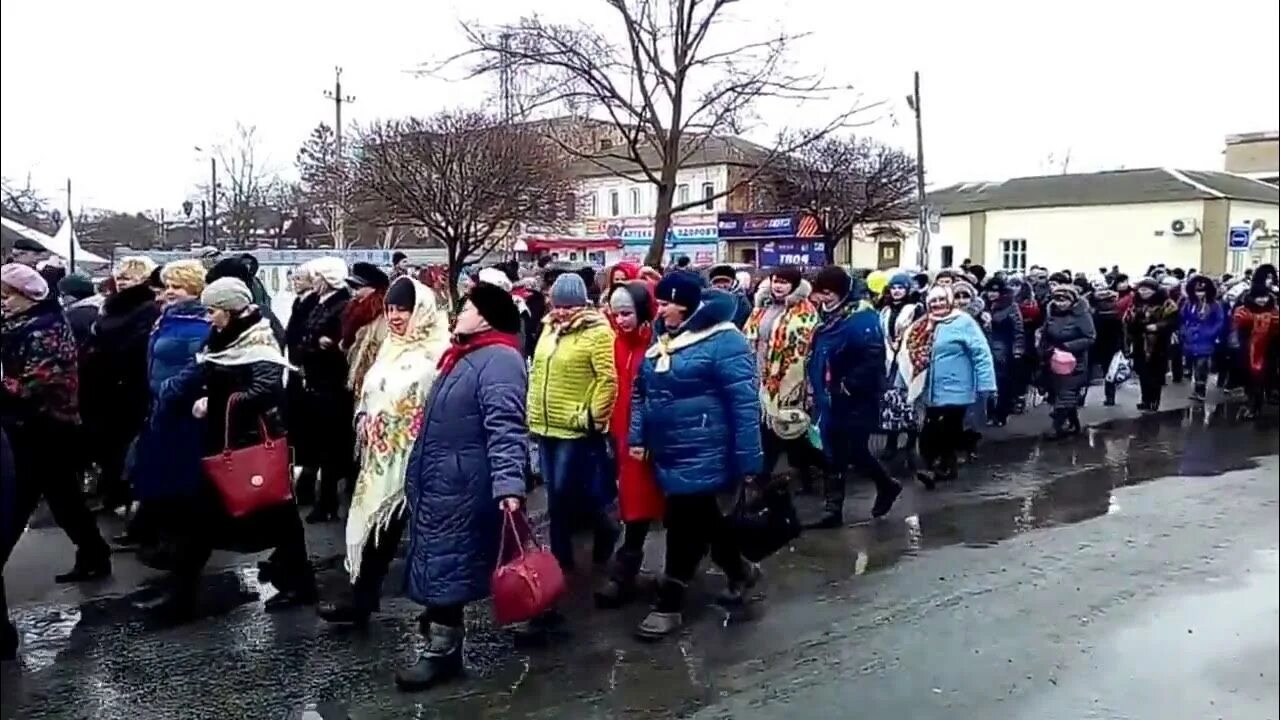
682, 194
747, 255
948, 256
593, 209
1013, 255
606, 143
708, 192
615, 208
635, 201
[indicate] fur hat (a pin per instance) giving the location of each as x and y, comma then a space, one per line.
833, 279
721, 271
494, 276
496, 306
365, 274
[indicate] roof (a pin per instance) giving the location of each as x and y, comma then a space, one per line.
1115, 187
715, 150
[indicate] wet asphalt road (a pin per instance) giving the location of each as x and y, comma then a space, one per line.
1132, 573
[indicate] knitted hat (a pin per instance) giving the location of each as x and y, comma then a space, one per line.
569, 291
682, 287
397, 256
494, 276
1068, 291
496, 306
401, 294
832, 279
789, 274
78, 287
996, 284
635, 296
721, 271
901, 280
186, 274
25, 280
962, 287
365, 274
228, 293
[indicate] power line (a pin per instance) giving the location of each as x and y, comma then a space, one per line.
339, 236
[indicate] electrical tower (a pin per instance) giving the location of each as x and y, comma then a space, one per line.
339, 236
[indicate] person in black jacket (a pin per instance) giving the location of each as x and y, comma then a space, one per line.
236, 386
304, 301
1109, 326
328, 404
116, 395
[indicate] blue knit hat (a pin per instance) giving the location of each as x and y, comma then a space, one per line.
569, 291
682, 287
900, 280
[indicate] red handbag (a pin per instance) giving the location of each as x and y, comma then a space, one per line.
252, 478
530, 582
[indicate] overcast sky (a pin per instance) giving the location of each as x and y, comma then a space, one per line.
116, 94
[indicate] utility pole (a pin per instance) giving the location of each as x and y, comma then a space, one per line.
506, 79
213, 199
339, 236
922, 252
71, 251
204, 223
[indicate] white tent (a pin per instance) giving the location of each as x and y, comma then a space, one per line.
59, 244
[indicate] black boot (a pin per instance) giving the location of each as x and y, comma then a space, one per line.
441, 662
738, 591
604, 538
86, 570
306, 488
665, 618
620, 587
1059, 430
1199, 391
833, 505
886, 495
1109, 394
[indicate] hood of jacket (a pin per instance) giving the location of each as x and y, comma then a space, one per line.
717, 306
766, 299
1201, 282
186, 309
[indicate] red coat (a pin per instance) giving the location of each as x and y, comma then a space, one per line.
1258, 329
639, 497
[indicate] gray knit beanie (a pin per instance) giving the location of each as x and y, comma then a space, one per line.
569, 291
228, 293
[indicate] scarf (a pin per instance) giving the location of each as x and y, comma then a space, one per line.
255, 343
390, 408
575, 320
913, 367
464, 344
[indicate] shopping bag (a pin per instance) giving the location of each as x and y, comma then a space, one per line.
530, 582
764, 522
251, 478
1119, 370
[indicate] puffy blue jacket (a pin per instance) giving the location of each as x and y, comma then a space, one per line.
961, 365
1200, 335
179, 333
695, 404
846, 371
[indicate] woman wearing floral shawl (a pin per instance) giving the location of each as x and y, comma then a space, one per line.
389, 417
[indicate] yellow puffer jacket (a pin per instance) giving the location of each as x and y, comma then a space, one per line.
573, 382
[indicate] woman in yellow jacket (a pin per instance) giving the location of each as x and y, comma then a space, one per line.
572, 387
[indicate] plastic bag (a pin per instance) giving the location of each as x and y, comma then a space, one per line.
1119, 370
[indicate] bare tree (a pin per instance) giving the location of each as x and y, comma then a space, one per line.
26, 205
245, 186
321, 176
844, 182
666, 91
464, 178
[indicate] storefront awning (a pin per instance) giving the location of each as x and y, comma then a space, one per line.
544, 244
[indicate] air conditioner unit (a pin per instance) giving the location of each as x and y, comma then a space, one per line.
1183, 226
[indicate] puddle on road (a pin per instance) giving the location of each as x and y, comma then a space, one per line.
242, 662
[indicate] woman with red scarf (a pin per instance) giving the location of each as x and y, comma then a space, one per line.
364, 325
639, 499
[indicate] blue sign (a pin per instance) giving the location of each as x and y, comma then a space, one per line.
808, 253
756, 225
1238, 238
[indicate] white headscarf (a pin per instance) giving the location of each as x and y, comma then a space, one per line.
333, 270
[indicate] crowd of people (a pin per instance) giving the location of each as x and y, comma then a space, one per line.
635, 398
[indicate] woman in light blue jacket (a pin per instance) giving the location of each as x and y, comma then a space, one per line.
948, 367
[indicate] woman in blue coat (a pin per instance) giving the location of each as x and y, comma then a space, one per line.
695, 413
947, 366
1203, 320
166, 455
466, 469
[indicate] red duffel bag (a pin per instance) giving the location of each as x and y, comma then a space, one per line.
251, 478
530, 582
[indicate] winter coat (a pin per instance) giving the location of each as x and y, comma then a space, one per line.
572, 381
743, 308
1070, 330
695, 405
1005, 332
81, 315
846, 369
1201, 326
1108, 328
639, 497
782, 374
1150, 347
324, 421
324, 367
116, 395
470, 453
1258, 329
8, 491
960, 364
39, 361
166, 457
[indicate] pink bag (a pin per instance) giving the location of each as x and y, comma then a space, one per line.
530, 582
1062, 362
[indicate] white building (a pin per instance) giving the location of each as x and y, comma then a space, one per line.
1212, 221
616, 205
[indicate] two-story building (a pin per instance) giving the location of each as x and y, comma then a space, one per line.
617, 203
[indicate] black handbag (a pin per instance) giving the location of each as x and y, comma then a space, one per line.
764, 522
